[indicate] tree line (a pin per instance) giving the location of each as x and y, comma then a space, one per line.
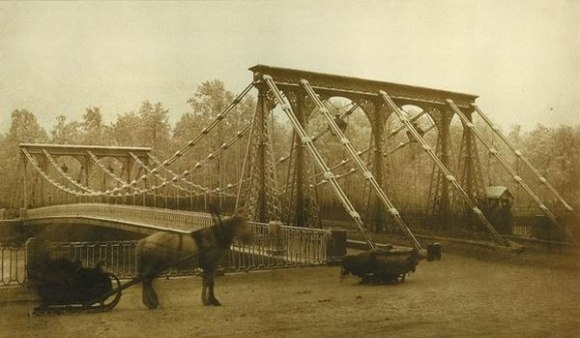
554, 150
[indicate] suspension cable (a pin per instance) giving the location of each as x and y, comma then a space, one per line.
307, 141
157, 174
209, 127
448, 176
124, 183
521, 156
361, 165
63, 173
171, 172
47, 177
507, 167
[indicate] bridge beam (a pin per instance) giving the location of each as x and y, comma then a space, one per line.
356, 88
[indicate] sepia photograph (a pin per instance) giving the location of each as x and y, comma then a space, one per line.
271, 168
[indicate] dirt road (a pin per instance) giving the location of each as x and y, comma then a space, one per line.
456, 297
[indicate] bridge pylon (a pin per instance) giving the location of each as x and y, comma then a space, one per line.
258, 181
469, 170
440, 194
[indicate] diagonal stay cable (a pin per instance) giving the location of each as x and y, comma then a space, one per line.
307, 141
508, 168
361, 166
448, 176
524, 159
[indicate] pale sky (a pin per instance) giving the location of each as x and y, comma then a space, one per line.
521, 57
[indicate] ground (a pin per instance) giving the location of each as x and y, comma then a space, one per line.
455, 297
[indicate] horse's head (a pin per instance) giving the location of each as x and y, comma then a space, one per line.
241, 230
234, 227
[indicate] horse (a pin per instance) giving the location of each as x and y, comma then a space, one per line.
205, 248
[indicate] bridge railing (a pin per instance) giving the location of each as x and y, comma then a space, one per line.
13, 264
286, 247
274, 244
142, 216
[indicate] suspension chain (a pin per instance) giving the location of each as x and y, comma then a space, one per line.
505, 164
307, 141
361, 165
209, 127
522, 157
450, 178
63, 173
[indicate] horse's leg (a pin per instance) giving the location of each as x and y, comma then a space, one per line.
204, 287
207, 295
212, 298
150, 298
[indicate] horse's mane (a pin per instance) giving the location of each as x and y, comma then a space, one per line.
223, 231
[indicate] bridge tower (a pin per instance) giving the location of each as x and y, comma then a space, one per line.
378, 100
469, 168
258, 181
300, 201
440, 194
377, 115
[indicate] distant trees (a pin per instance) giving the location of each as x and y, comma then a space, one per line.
24, 128
154, 131
556, 153
65, 132
554, 150
124, 131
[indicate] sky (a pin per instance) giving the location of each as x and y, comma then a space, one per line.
521, 57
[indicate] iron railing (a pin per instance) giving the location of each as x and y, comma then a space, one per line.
287, 247
145, 216
273, 246
13, 267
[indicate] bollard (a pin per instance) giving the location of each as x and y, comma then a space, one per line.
336, 247
275, 235
434, 252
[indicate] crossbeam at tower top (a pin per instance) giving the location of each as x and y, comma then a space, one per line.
352, 87
82, 150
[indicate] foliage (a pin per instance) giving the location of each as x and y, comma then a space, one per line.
24, 128
555, 151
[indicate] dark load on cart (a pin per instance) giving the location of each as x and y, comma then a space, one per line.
387, 264
66, 285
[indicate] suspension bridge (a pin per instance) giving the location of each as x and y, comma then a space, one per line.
232, 162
